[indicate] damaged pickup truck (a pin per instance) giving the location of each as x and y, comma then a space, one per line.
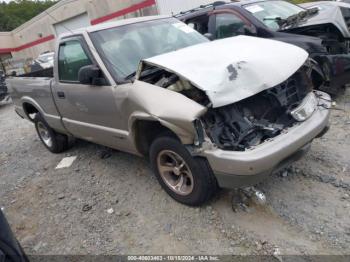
206, 115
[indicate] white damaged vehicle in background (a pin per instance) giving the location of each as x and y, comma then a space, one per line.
205, 114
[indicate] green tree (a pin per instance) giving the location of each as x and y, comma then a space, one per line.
17, 12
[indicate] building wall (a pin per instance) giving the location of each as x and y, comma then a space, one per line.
116, 10
40, 29
6, 44
169, 7
6, 40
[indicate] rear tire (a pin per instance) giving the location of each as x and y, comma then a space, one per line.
53, 141
189, 180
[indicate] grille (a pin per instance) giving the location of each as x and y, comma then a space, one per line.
291, 92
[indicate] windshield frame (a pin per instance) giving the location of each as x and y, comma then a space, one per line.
269, 1
107, 62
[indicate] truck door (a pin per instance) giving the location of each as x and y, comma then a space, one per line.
88, 112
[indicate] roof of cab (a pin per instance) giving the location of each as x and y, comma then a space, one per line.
327, 3
108, 25
218, 5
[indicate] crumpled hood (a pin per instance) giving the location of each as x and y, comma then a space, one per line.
329, 13
233, 69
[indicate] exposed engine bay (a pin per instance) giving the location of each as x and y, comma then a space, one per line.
173, 82
332, 40
246, 123
253, 120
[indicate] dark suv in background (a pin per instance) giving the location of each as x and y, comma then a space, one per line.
274, 20
3, 89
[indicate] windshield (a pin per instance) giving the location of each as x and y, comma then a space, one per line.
122, 48
268, 11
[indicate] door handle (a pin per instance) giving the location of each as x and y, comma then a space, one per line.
61, 94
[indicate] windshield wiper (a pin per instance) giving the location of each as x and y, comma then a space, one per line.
296, 18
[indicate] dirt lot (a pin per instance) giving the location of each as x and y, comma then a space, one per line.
65, 211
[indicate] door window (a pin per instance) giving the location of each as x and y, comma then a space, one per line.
228, 25
71, 58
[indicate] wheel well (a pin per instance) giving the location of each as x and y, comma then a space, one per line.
317, 79
146, 131
29, 109
318, 76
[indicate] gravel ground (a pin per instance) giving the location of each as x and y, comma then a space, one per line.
65, 211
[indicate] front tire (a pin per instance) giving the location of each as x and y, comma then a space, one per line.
186, 179
53, 141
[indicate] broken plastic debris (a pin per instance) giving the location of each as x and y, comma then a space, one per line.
259, 197
110, 211
285, 173
86, 207
66, 162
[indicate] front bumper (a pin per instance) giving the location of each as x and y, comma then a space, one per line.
237, 169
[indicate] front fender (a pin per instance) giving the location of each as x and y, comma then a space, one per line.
185, 136
171, 109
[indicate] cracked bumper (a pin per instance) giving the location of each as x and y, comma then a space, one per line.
237, 169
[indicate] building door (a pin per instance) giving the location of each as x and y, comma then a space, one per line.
71, 24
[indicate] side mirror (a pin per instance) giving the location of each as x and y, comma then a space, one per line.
91, 75
209, 36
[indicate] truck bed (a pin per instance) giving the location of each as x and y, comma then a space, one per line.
35, 91
40, 73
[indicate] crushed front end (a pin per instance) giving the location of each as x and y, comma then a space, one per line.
261, 113
256, 119
253, 138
